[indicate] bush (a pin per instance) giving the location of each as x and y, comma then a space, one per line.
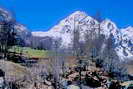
115, 69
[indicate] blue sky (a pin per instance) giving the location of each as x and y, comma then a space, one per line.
43, 14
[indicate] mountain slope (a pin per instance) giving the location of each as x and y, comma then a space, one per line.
123, 38
20, 29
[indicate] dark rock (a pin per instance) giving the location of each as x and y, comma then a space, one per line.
2, 73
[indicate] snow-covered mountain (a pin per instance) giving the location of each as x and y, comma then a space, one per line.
65, 28
123, 38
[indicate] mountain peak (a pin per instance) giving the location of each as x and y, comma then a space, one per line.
109, 23
109, 27
77, 16
6, 15
127, 31
130, 28
78, 13
68, 24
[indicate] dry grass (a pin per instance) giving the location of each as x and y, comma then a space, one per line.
129, 66
13, 70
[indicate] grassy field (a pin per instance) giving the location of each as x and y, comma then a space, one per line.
29, 52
